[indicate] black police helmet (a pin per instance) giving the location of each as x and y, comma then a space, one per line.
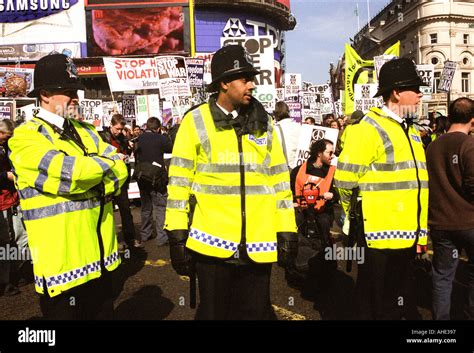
55, 72
231, 60
398, 73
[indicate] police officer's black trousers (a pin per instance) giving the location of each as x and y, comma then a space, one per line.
89, 301
123, 203
233, 292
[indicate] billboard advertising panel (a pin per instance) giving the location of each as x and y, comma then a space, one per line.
154, 27
37, 22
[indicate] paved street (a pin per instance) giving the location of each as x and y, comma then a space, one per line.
148, 289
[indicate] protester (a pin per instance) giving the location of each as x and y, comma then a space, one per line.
66, 176
151, 145
288, 132
228, 155
137, 131
114, 136
386, 160
450, 162
310, 121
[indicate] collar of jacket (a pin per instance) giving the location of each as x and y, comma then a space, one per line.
253, 118
55, 121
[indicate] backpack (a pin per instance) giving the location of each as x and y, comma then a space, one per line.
153, 174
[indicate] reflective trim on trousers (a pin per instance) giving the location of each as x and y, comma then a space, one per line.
212, 240
182, 162
402, 185
232, 190
75, 274
202, 133
387, 143
43, 168
59, 208
262, 247
284, 204
176, 204
66, 175
395, 234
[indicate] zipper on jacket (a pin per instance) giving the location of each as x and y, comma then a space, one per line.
243, 239
419, 184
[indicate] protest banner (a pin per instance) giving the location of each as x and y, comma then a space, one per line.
172, 76
7, 109
310, 134
195, 68
147, 106
128, 106
91, 111
447, 76
361, 71
426, 73
261, 52
292, 85
131, 74
364, 97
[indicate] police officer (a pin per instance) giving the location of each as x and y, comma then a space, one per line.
384, 157
66, 176
228, 156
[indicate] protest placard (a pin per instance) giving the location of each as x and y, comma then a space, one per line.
447, 76
130, 74
195, 68
426, 73
91, 111
173, 77
310, 134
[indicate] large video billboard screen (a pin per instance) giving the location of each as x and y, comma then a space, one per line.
160, 27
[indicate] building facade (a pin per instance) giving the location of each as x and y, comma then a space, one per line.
430, 32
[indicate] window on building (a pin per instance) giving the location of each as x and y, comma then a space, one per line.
437, 78
434, 38
465, 39
434, 60
465, 61
465, 76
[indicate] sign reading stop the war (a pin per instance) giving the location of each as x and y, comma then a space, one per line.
92, 111
308, 135
260, 50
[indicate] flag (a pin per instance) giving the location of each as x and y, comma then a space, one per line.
359, 70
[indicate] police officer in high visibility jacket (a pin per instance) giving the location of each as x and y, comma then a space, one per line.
386, 160
66, 176
227, 155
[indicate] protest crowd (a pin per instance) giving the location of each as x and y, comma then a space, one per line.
244, 188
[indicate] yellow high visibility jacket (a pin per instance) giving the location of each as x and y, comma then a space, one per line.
388, 164
243, 193
61, 208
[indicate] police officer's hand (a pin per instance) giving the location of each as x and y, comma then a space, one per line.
287, 248
181, 258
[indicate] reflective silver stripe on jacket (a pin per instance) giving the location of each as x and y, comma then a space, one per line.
80, 272
393, 167
267, 160
353, 168
387, 143
179, 181
45, 133
345, 184
109, 150
43, 168
28, 193
182, 162
107, 171
66, 175
283, 186
176, 204
401, 185
232, 190
59, 208
212, 240
278, 169
395, 234
284, 204
202, 133
262, 247
230, 168
94, 137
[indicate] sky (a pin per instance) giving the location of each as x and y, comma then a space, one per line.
322, 29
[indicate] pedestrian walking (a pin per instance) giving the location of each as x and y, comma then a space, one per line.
66, 177
228, 156
450, 160
384, 157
